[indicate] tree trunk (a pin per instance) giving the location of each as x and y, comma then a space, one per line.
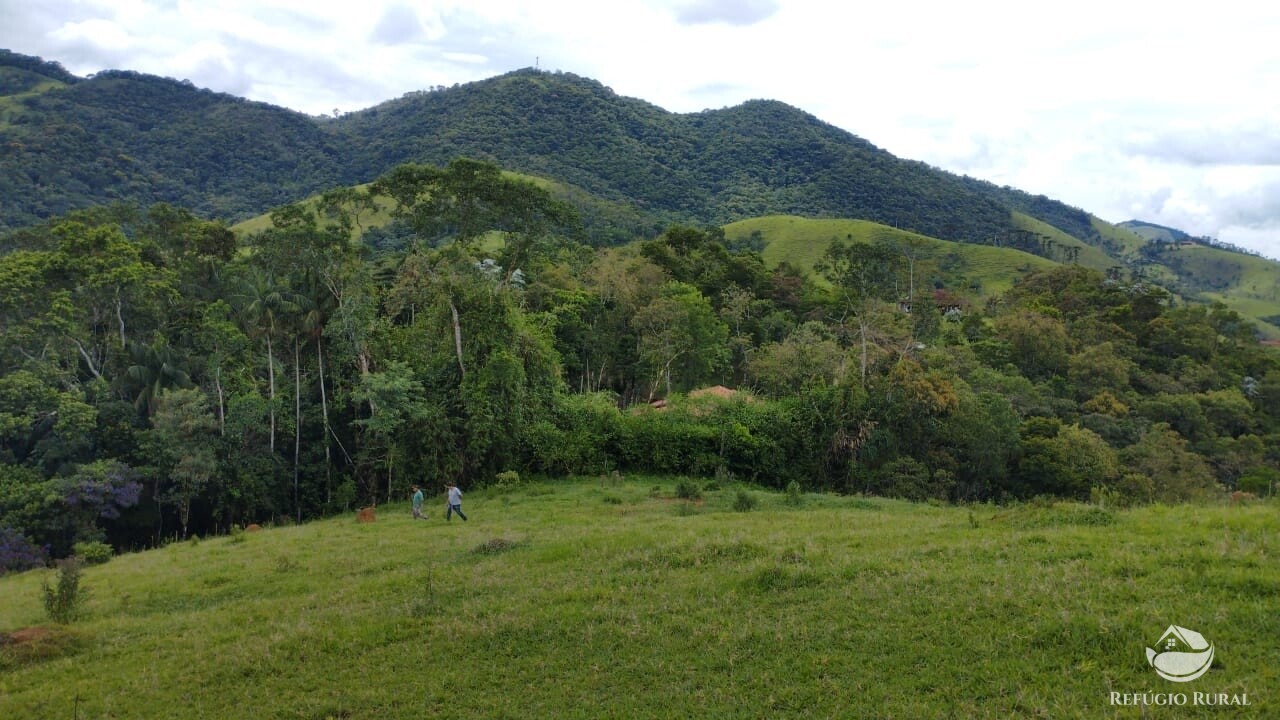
120, 316
457, 337
87, 360
324, 412
297, 424
222, 407
271, 390
862, 331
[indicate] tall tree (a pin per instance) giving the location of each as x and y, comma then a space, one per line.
864, 277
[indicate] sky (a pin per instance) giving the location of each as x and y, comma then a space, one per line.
1167, 112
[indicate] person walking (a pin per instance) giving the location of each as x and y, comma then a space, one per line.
455, 502
417, 503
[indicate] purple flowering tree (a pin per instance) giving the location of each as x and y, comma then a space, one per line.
17, 553
99, 491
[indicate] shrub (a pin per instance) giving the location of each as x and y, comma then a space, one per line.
63, 601
507, 478
577, 436
745, 501
795, 497
907, 478
17, 553
688, 490
93, 553
1261, 481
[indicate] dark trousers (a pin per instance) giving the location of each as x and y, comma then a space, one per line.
454, 509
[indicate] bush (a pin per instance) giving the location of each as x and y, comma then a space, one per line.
688, 490
17, 553
63, 601
94, 553
745, 501
1261, 481
907, 478
795, 497
576, 438
668, 442
507, 478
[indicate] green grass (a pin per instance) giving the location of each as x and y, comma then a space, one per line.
1090, 256
802, 241
11, 105
1128, 241
378, 218
591, 599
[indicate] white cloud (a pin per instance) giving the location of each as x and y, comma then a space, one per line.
1123, 109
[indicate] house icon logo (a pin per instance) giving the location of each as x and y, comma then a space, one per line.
1181, 655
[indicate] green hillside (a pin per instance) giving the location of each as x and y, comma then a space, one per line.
802, 241
592, 599
605, 222
127, 136
1062, 247
1151, 231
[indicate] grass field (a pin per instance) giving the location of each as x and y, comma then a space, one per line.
1090, 256
614, 599
802, 241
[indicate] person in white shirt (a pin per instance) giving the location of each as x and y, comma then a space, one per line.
455, 502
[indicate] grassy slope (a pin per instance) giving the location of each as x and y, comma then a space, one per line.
587, 203
801, 241
611, 603
11, 105
377, 218
1252, 283
1128, 240
1090, 256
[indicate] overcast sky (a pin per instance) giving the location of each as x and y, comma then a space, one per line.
1167, 112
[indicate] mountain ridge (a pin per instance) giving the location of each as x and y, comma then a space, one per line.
633, 167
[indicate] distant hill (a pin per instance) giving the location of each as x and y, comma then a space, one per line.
630, 167
802, 241
1152, 231
127, 136
139, 138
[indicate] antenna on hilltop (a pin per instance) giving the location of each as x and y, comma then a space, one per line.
536, 61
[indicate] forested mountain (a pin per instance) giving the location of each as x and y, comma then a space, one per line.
70, 142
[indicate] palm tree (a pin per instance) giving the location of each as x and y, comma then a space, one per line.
263, 304
153, 368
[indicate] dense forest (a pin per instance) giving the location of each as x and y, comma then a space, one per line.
160, 377
68, 143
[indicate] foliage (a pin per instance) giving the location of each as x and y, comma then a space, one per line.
688, 490
63, 601
794, 495
92, 553
17, 553
158, 380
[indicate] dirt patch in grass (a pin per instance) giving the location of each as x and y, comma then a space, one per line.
36, 644
495, 546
